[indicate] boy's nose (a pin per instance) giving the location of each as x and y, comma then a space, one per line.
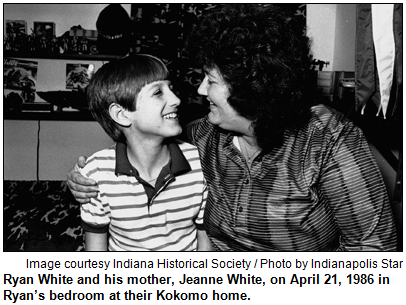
174, 100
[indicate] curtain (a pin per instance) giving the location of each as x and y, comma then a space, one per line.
378, 62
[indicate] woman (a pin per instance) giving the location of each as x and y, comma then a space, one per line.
283, 175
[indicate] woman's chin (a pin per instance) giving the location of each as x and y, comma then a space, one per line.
213, 118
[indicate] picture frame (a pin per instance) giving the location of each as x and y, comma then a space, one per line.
44, 29
16, 27
19, 74
78, 75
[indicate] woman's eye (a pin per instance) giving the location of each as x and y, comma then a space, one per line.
158, 92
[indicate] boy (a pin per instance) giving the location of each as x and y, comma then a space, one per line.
152, 191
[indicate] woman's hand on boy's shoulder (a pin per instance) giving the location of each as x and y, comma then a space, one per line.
82, 188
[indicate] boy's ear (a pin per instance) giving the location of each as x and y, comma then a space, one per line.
118, 114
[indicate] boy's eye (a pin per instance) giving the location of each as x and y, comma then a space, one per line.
158, 92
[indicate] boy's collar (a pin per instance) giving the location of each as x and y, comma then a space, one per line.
178, 163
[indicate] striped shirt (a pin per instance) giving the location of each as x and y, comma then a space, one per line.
137, 218
320, 191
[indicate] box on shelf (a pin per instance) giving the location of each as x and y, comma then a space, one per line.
83, 33
87, 38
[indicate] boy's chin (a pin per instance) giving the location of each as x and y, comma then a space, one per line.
176, 132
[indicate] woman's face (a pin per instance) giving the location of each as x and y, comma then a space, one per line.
221, 113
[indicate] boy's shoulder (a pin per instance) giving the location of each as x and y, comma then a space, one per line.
103, 154
190, 153
103, 159
187, 148
184, 145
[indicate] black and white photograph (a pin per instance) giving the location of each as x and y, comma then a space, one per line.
267, 135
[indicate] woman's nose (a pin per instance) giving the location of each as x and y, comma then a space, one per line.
202, 90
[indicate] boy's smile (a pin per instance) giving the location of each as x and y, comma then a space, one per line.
172, 115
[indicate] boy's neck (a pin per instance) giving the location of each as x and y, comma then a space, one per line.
148, 158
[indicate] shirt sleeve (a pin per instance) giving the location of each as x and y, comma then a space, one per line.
191, 130
353, 187
96, 214
199, 219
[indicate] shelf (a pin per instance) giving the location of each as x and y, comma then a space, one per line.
96, 57
49, 116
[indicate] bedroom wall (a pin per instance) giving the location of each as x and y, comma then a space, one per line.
62, 142
64, 15
332, 29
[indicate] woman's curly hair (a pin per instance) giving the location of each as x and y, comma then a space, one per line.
263, 54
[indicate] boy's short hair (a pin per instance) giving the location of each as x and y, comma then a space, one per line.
120, 81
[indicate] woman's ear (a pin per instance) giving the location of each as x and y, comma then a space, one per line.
118, 114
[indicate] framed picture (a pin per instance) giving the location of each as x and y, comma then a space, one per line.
19, 80
19, 74
78, 75
16, 27
44, 29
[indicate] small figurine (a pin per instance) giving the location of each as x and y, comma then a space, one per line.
43, 44
84, 48
7, 45
32, 42
75, 44
65, 44
54, 45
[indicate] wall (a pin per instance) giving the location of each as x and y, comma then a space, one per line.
51, 73
332, 30
61, 143
64, 15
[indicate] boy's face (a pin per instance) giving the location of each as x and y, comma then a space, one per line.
156, 111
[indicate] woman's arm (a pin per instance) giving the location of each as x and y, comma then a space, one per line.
203, 241
96, 241
353, 187
82, 188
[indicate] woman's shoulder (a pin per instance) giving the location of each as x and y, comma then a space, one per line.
327, 119
199, 128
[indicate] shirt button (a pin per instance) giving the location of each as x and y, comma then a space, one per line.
240, 209
246, 181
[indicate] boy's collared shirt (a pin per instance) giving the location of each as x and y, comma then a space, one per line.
177, 165
137, 218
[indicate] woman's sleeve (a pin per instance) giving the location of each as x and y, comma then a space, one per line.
353, 187
199, 219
